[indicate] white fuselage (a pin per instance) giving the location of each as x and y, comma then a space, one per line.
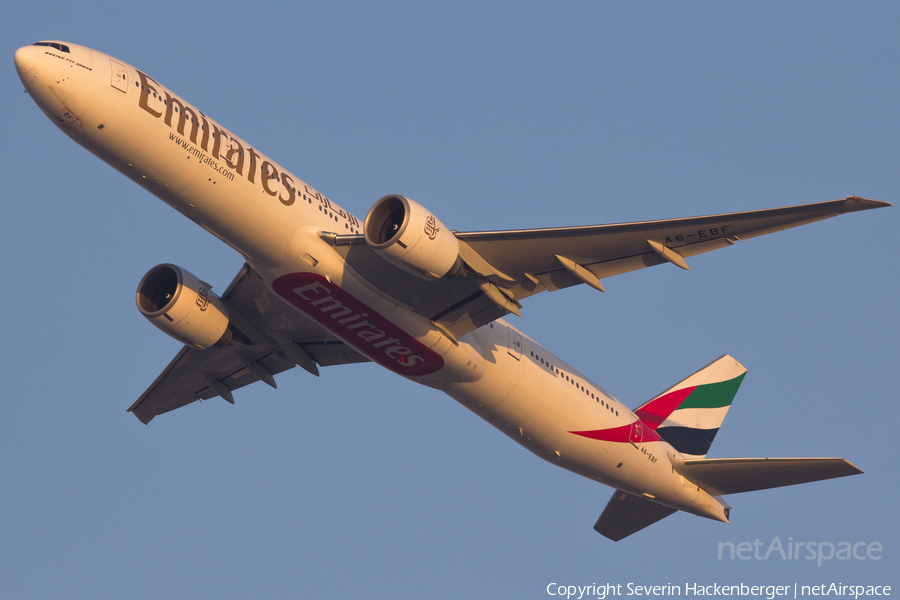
273, 219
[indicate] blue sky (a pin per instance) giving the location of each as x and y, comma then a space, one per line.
505, 115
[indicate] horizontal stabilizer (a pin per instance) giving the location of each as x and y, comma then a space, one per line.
721, 476
626, 514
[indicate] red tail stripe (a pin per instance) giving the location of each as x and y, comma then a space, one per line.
656, 411
620, 434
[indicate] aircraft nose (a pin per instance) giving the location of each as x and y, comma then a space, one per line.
26, 58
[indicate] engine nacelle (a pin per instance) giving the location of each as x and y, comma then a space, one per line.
182, 306
407, 235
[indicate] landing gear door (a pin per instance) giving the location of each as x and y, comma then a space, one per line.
515, 344
119, 76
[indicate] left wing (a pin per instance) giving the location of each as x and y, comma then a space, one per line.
505, 267
268, 338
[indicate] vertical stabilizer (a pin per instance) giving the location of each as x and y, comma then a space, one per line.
688, 415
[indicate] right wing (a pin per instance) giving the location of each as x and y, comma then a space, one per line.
269, 337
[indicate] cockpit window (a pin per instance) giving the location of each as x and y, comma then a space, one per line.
57, 45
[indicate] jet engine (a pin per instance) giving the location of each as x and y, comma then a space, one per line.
407, 235
182, 306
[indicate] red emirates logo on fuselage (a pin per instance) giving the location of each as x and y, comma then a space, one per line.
358, 325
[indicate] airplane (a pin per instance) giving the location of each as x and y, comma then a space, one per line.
319, 287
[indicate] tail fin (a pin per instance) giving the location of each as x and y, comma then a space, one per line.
688, 415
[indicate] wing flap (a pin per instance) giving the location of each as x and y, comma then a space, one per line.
626, 514
721, 476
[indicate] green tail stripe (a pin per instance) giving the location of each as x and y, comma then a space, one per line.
713, 395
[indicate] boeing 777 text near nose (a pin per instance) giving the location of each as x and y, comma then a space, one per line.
321, 288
